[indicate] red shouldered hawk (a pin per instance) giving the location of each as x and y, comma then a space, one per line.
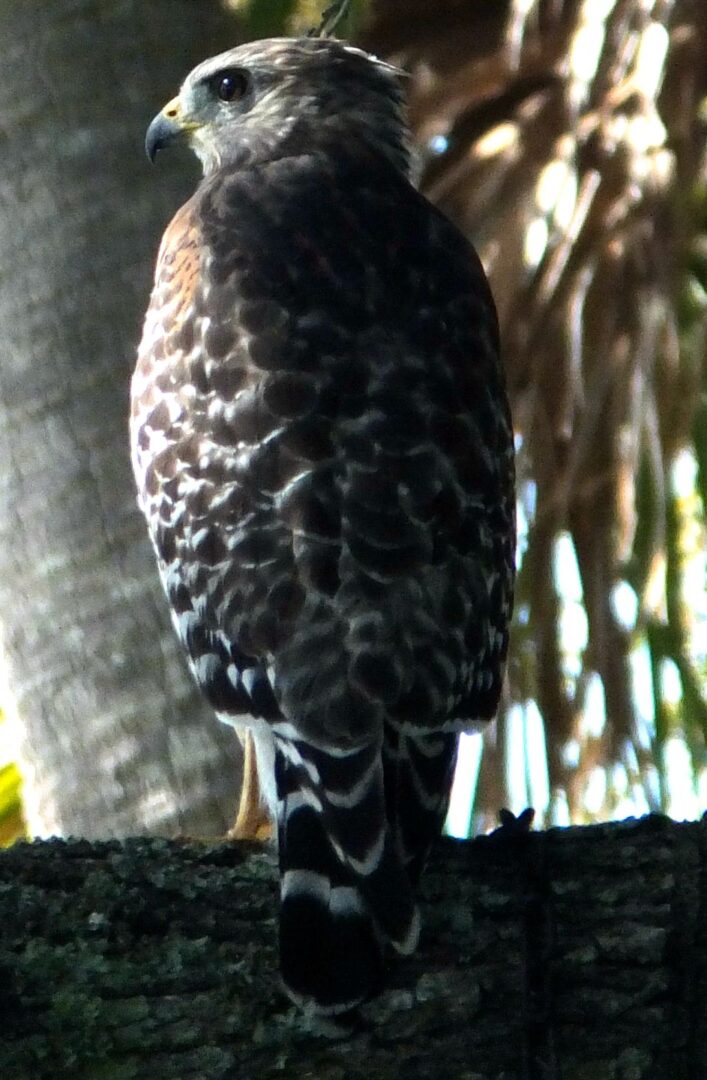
324, 456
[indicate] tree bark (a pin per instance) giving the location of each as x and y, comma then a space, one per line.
576, 954
114, 737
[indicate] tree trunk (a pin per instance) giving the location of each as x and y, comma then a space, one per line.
114, 736
578, 954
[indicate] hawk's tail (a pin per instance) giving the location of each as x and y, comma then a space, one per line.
418, 770
345, 894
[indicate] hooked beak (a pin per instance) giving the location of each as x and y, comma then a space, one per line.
168, 127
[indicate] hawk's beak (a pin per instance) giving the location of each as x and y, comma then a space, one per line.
169, 126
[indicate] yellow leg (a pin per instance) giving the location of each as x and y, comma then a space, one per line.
252, 822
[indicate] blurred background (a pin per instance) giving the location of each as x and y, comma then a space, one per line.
567, 139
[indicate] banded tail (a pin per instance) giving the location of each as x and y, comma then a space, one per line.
353, 834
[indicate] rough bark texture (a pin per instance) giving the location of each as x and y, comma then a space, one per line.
115, 737
578, 954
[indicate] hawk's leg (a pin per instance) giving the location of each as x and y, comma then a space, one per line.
252, 820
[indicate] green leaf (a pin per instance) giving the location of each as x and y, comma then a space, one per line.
267, 18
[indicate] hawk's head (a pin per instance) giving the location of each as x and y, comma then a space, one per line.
285, 96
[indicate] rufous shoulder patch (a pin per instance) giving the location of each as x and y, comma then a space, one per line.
179, 260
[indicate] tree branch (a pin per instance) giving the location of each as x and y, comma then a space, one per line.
331, 17
578, 953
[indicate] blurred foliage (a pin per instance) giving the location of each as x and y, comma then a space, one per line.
566, 138
12, 826
264, 18
268, 18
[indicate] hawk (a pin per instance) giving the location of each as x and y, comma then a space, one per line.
324, 455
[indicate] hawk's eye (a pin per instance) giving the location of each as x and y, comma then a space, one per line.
230, 85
